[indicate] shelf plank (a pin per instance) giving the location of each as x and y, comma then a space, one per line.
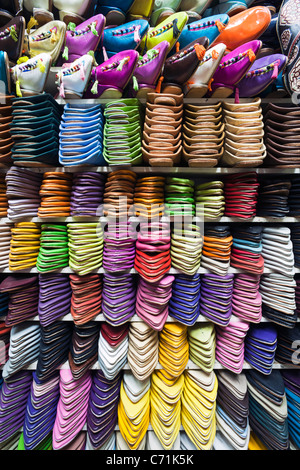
190, 366
164, 170
165, 218
133, 271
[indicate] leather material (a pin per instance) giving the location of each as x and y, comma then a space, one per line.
12, 38
86, 299
210, 27
71, 415
15, 394
187, 59
261, 74
85, 38
168, 30
262, 394
32, 75
117, 39
149, 67
70, 80
48, 39
288, 35
243, 27
234, 65
197, 382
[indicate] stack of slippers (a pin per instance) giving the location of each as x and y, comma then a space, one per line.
161, 138
210, 199
54, 297
13, 399
282, 135
199, 401
6, 141
230, 344
287, 344
244, 132
295, 238
293, 198
83, 351
246, 298
24, 245
71, 409
202, 345
143, 350
55, 193
3, 195
55, 344
268, 411
24, 348
292, 393
279, 303
277, 249
23, 292
232, 412
118, 298
119, 247
85, 242
179, 196
5, 340
42, 402
186, 248
36, 138
112, 349
86, 298
153, 257
241, 195
247, 249
216, 250
173, 351
134, 410
22, 192
86, 198
149, 197
273, 198
118, 197
123, 132
54, 252
203, 135
81, 135
216, 298
5, 244
152, 301
260, 347
165, 407
102, 415
184, 305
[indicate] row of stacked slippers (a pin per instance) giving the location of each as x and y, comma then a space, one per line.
206, 48
80, 406
162, 51
163, 133
88, 195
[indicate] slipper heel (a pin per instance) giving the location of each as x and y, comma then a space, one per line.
197, 92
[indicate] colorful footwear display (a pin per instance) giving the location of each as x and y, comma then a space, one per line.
47, 39
149, 233
30, 76
82, 39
